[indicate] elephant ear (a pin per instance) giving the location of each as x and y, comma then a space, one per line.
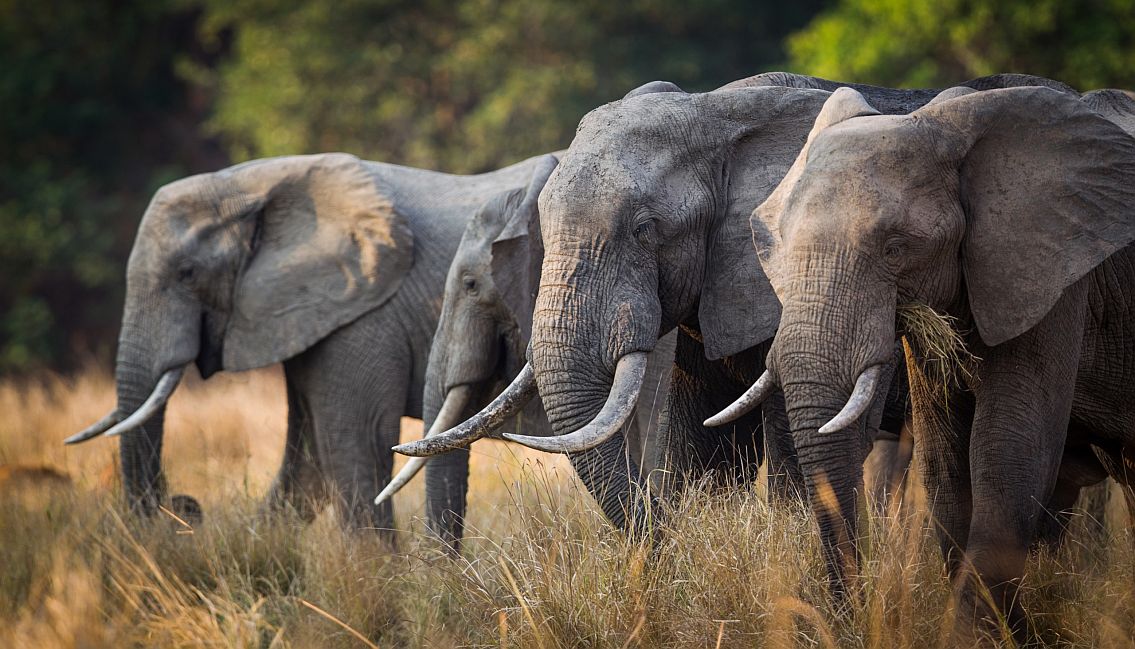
518, 251
763, 222
1048, 190
739, 308
652, 87
328, 247
1117, 106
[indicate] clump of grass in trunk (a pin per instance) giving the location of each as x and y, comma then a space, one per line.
946, 359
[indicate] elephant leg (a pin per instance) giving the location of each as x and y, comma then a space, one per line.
299, 484
1021, 417
940, 426
1119, 462
785, 481
447, 482
700, 388
886, 469
1080, 493
356, 384
877, 471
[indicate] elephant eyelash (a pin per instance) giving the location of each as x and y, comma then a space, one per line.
644, 231
185, 273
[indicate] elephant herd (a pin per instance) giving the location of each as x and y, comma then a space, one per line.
783, 271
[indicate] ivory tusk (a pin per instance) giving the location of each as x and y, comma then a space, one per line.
165, 387
753, 397
616, 411
858, 402
95, 429
508, 403
455, 402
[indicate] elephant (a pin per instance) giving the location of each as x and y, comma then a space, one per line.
645, 225
332, 265
1008, 216
480, 344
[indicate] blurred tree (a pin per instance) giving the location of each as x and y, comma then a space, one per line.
466, 86
104, 102
1085, 43
95, 118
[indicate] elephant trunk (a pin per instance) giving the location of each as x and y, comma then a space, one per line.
833, 358
575, 382
447, 474
832, 471
137, 373
151, 358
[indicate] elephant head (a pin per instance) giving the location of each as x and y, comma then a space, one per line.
645, 228
239, 269
983, 206
481, 339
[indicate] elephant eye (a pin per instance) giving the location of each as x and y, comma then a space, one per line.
894, 249
470, 283
184, 273
644, 230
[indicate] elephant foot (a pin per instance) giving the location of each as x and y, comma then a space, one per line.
187, 510
990, 616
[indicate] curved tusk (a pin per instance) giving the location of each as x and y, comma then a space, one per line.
165, 387
616, 411
508, 403
753, 397
455, 401
858, 402
95, 429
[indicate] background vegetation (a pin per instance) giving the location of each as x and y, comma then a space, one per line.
106, 101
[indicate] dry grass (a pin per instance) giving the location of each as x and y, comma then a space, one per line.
938, 340
541, 568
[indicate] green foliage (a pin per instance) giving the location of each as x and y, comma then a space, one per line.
92, 111
466, 86
1085, 43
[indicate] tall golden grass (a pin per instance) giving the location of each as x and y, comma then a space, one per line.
540, 569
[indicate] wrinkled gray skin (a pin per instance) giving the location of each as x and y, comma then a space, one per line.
480, 343
1013, 211
331, 264
646, 228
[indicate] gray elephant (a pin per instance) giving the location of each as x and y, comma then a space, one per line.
1008, 216
334, 266
480, 345
646, 229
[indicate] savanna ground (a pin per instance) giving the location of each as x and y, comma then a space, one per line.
540, 569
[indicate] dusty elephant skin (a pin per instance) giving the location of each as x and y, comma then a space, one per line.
480, 346
646, 229
1011, 211
334, 266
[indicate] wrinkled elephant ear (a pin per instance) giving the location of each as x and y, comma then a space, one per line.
652, 87
1048, 190
327, 247
1116, 106
518, 250
739, 308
